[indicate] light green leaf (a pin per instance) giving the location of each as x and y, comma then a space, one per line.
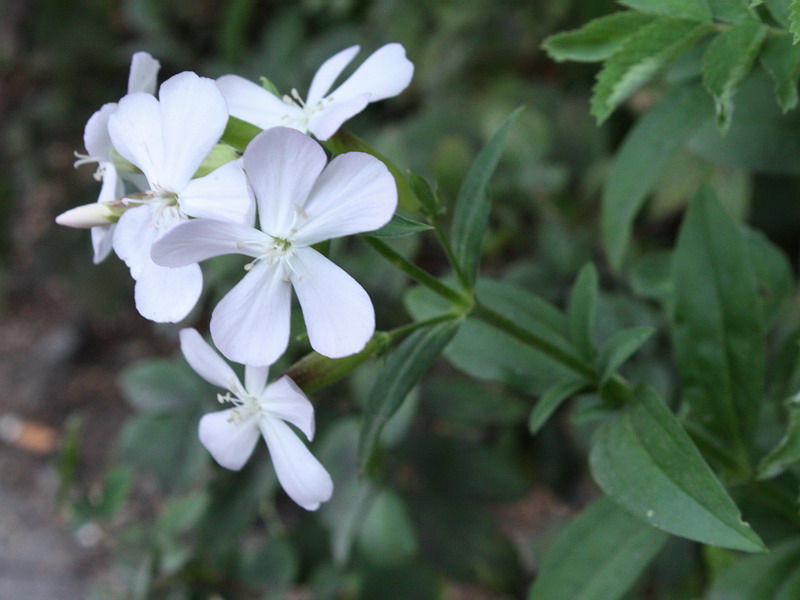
471, 211
583, 309
647, 463
598, 556
727, 62
387, 534
620, 347
399, 226
239, 133
598, 39
731, 11
551, 400
781, 59
690, 9
717, 326
405, 365
220, 154
794, 19
759, 577
787, 452
641, 56
643, 158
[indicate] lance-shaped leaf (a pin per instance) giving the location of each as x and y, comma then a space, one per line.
641, 56
598, 39
690, 9
399, 226
620, 347
781, 59
787, 452
239, 133
598, 556
717, 326
582, 310
731, 11
471, 212
551, 400
405, 365
645, 461
794, 19
770, 576
727, 61
643, 158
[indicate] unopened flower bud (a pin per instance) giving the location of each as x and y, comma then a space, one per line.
92, 215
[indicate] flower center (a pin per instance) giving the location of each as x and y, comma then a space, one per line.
165, 204
244, 405
301, 121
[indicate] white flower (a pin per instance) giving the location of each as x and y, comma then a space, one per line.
167, 139
300, 202
386, 73
231, 435
142, 78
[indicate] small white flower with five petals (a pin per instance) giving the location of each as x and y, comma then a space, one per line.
231, 435
167, 139
301, 202
384, 74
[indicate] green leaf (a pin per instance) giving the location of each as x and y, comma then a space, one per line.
759, 577
387, 535
239, 133
483, 352
344, 141
690, 9
399, 226
647, 463
598, 39
551, 400
220, 154
779, 10
598, 556
428, 199
787, 452
731, 11
272, 568
727, 62
583, 309
620, 347
161, 385
644, 156
641, 56
717, 326
781, 59
794, 20
774, 275
471, 211
405, 365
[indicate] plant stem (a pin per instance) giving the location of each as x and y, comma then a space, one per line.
419, 275
577, 364
451, 258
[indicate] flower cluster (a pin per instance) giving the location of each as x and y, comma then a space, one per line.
273, 205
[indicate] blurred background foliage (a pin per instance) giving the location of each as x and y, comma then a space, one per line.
464, 501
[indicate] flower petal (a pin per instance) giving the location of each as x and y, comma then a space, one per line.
133, 238
328, 72
95, 135
338, 313
102, 242
200, 239
355, 193
229, 440
384, 74
284, 400
327, 120
143, 74
255, 378
282, 165
250, 102
193, 115
135, 130
302, 476
222, 195
206, 362
250, 325
103, 236
167, 295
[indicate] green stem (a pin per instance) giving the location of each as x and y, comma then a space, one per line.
451, 257
569, 360
404, 330
419, 275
